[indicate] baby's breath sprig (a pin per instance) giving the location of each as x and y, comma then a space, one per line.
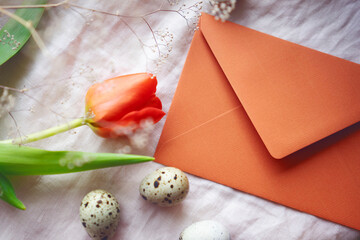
221, 9
190, 13
164, 46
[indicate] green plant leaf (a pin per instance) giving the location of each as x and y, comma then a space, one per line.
7, 193
14, 35
22, 160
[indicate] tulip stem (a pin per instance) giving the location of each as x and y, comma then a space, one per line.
47, 133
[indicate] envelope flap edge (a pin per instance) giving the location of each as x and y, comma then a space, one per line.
291, 93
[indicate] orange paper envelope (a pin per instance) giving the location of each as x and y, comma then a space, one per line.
268, 117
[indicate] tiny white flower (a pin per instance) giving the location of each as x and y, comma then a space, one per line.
78, 162
221, 9
70, 165
62, 162
139, 140
125, 150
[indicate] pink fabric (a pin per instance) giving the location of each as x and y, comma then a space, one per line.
89, 47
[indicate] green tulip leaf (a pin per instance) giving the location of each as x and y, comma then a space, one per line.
14, 35
22, 160
7, 193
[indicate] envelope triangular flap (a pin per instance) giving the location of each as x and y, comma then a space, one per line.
293, 95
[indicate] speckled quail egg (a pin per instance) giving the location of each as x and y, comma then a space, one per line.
166, 186
100, 214
205, 230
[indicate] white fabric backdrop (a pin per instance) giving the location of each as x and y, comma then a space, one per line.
88, 47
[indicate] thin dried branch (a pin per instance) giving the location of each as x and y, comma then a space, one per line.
182, 11
153, 35
30, 27
16, 125
36, 6
24, 92
161, 46
13, 89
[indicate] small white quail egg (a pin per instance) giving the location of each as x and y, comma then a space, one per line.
166, 186
100, 214
205, 230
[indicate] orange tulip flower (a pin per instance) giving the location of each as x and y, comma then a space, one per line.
111, 106
122, 102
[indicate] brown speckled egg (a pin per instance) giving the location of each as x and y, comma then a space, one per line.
166, 186
100, 214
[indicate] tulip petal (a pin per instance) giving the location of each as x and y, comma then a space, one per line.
113, 98
154, 102
129, 123
154, 114
117, 106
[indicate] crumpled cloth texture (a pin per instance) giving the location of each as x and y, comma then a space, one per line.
87, 47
